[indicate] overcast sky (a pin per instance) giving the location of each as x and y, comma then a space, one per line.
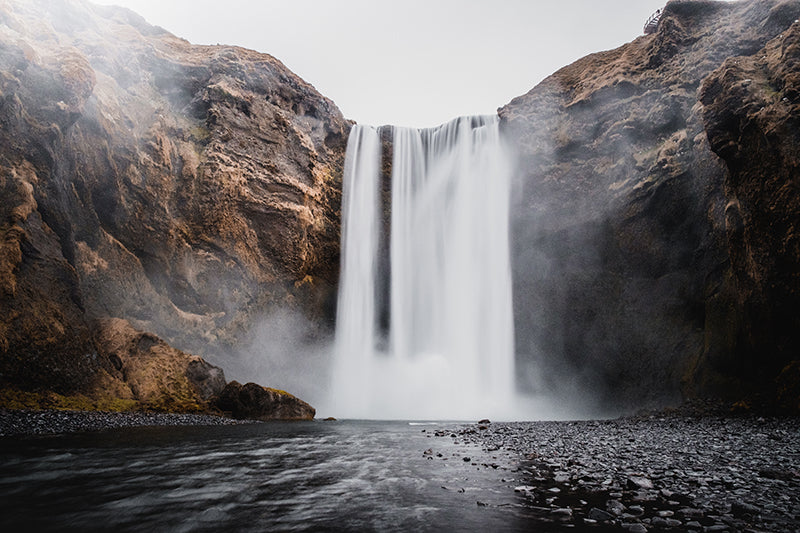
410, 62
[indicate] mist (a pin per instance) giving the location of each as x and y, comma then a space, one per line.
287, 351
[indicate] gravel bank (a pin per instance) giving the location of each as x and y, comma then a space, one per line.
21, 422
653, 474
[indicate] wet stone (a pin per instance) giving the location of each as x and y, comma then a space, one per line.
635, 528
616, 507
636, 510
637, 482
599, 515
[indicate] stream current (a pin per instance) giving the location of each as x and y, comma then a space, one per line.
304, 476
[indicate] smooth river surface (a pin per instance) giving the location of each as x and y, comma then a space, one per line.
320, 476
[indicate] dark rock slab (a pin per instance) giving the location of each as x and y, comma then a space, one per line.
252, 401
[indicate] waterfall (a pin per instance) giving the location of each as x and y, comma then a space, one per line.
446, 350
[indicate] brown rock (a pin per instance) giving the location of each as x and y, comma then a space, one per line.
751, 110
186, 189
626, 274
251, 401
144, 368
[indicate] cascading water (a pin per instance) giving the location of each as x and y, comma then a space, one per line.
448, 352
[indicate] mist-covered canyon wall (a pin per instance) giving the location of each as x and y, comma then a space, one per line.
653, 243
188, 190
153, 190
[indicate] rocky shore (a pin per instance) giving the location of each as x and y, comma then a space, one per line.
654, 473
49, 422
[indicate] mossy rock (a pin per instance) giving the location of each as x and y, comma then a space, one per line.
254, 402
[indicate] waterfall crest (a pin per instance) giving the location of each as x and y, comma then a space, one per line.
448, 352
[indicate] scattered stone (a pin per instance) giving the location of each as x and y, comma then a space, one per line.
742, 509
659, 522
636, 510
22, 422
564, 512
702, 472
690, 512
598, 515
616, 507
635, 527
637, 482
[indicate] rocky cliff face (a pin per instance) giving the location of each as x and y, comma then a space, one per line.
186, 189
654, 244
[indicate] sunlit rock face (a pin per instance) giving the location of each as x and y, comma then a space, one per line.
654, 250
146, 372
187, 189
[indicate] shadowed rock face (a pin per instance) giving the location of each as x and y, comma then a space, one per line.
752, 116
187, 189
654, 247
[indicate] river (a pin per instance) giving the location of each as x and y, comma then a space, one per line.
320, 476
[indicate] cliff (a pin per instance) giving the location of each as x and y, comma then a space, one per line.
185, 189
655, 254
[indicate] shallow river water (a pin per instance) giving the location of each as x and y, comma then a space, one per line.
351, 476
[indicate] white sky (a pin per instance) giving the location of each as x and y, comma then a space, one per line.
410, 62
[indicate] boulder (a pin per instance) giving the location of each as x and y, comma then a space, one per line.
254, 402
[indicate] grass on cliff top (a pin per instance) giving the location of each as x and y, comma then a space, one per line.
18, 399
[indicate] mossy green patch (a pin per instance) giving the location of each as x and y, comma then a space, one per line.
18, 399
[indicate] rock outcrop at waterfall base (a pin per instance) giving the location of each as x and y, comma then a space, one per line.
254, 402
655, 246
184, 189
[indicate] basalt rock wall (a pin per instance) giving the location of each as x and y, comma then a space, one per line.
655, 253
